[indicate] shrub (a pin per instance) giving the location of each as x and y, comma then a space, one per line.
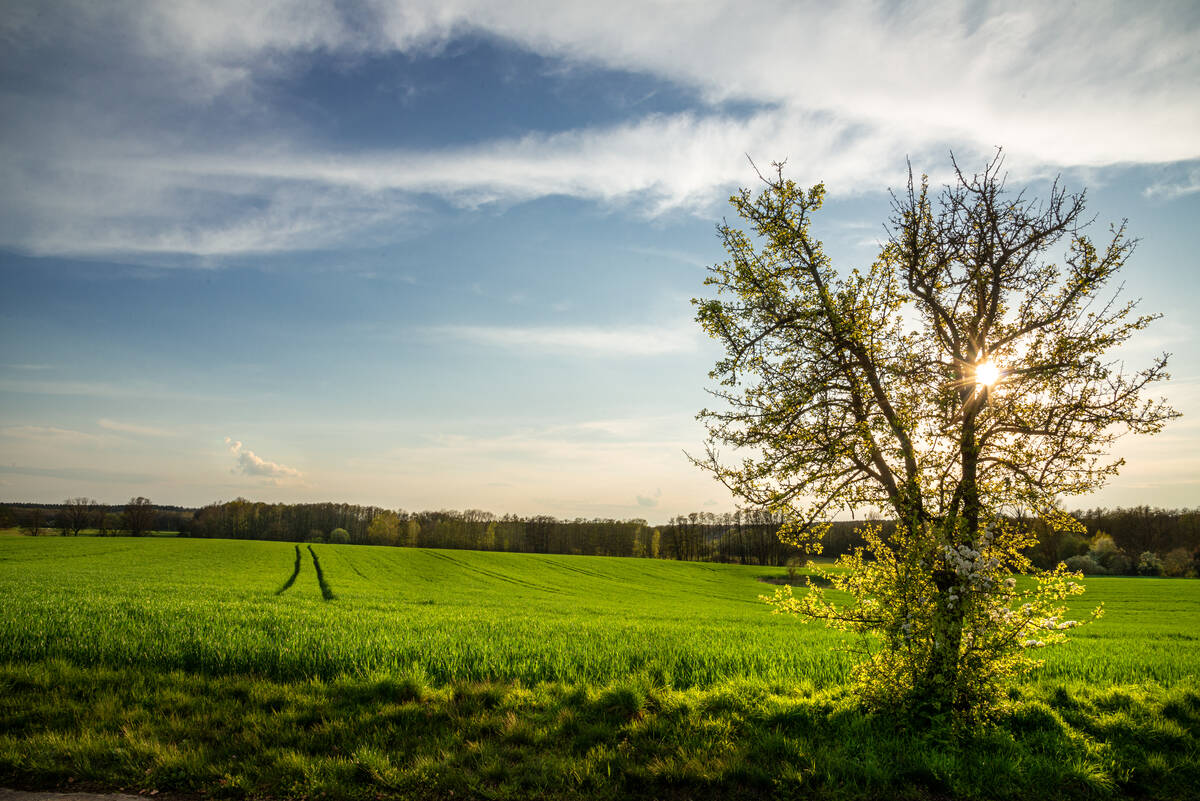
1120, 565
1149, 564
1105, 551
1085, 564
1071, 544
339, 536
1178, 563
978, 610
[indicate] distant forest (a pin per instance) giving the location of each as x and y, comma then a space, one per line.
1115, 540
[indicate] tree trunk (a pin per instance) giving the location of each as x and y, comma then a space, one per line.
944, 667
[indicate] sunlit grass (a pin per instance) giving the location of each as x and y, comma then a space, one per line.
216, 607
212, 606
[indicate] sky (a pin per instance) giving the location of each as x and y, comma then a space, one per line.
429, 255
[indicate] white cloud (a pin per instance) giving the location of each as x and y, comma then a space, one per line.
214, 204
250, 464
844, 91
615, 342
1114, 83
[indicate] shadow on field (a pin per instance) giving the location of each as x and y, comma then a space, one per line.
397, 737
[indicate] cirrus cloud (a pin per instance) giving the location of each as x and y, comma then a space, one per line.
595, 341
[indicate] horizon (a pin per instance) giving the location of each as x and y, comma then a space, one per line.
441, 256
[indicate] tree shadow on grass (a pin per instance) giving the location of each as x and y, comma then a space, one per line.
398, 737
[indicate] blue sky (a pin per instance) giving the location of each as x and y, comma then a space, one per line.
440, 255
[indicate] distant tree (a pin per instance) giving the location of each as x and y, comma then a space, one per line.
962, 377
1178, 563
33, 522
77, 514
384, 529
339, 536
1085, 564
1108, 555
138, 516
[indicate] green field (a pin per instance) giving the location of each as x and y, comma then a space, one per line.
119, 646
214, 607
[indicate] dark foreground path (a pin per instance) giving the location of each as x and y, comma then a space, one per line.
21, 795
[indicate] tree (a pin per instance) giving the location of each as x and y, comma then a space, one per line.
384, 529
33, 522
957, 381
138, 516
77, 514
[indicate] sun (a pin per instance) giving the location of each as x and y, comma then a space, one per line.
986, 373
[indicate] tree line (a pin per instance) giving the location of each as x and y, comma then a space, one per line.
1120, 542
749, 537
473, 529
74, 516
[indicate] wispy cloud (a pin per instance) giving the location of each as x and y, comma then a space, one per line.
250, 200
51, 433
594, 341
131, 428
79, 474
250, 464
31, 387
649, 501
134, 388
1186, 183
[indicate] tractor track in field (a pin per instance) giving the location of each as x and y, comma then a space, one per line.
326, 590
291, 579
341, 554
496, 575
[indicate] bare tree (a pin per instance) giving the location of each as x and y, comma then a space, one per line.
77, 514
33, 522
139, 516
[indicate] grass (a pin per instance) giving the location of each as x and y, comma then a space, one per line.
211, 607
265, 669
397, 737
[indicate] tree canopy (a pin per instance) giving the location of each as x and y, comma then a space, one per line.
962, 379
